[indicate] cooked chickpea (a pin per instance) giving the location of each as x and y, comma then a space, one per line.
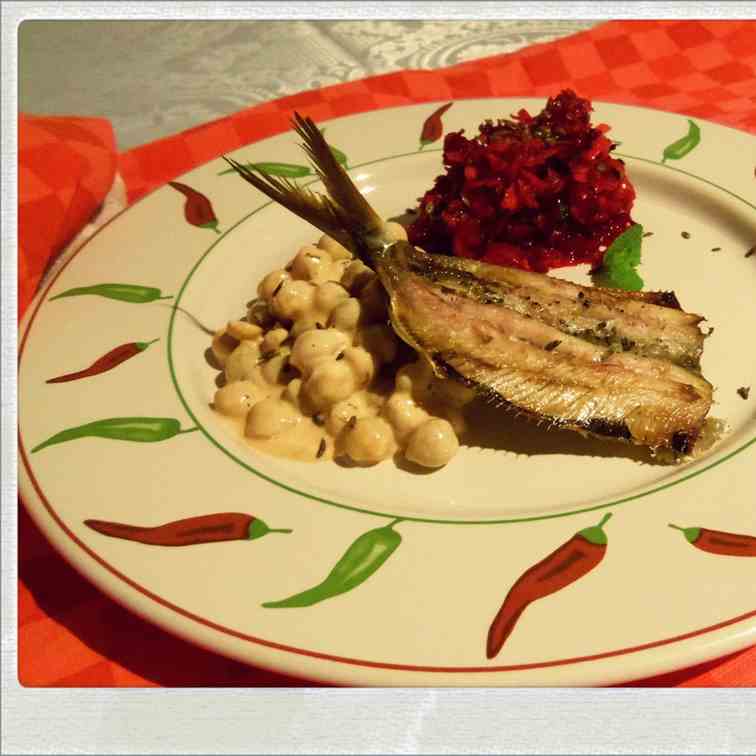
237, 398
310, 263
336, 250
403, 380
305, 323
346, 315
433, 444
414, 378
271, 282
342, 412
270, 417
242, 330
292, 391
395, 231
313, 347
328, 295
222, 346
272, 367
369, 441
330, 382
273, 339
241, 363
362, 364
293, 300
404, 415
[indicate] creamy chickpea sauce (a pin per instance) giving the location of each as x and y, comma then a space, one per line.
314, 370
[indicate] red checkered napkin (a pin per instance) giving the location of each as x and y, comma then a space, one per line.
66, 165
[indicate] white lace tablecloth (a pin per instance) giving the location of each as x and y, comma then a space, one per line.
155, 78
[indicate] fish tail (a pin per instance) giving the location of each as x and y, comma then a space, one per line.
316, 209
343, 212
358, 216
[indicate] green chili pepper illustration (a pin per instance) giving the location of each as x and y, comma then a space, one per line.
287, 170
122, 292
679, 149
143, 429
359, 562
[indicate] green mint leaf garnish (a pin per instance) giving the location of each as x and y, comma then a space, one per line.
620, 261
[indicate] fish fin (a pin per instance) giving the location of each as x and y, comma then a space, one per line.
316, 209
358, 216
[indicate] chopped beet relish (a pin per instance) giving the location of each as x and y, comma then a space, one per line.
536, 192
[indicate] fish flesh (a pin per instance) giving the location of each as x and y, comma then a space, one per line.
603, 362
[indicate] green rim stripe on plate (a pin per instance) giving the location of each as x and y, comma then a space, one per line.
363, 510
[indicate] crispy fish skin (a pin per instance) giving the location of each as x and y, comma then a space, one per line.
612, 364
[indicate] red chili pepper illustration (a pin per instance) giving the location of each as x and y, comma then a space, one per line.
568, 563
197, 209
107, 362
221, 526
719, 542
433, 128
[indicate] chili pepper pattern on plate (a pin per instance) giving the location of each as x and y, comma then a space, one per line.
141, 429
433, 128
362, 559
283, 170
210, 528
108, 361
289, 170
682, 146
719, 542
571, 561
198, 209
132, 293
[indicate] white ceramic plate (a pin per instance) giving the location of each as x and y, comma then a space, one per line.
655, 602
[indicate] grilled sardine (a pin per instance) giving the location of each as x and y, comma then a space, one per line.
600, 361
